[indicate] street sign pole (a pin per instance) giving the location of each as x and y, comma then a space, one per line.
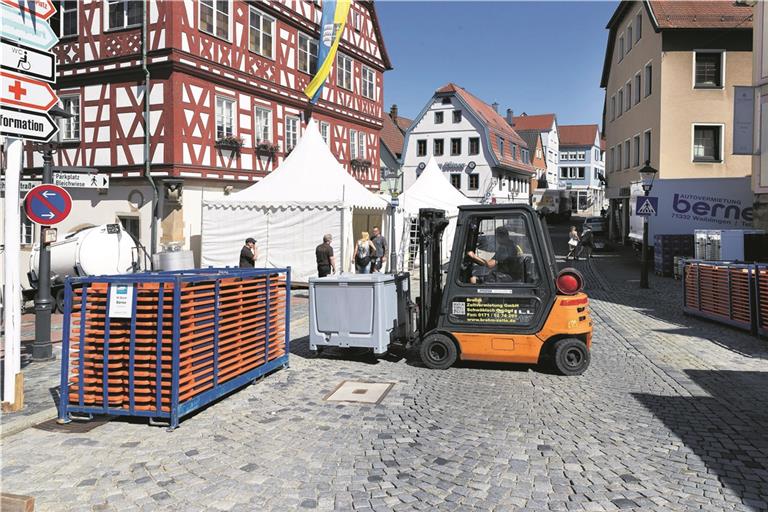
12, 384
42, 350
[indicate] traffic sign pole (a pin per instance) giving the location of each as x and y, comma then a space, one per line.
42, 350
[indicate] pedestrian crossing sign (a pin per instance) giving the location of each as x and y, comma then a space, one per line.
647, 206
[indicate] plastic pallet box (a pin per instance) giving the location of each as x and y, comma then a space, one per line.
352, 310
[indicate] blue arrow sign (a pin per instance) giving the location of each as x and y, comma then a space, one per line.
47, 204
23, 30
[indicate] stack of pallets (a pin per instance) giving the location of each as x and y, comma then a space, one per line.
190, 338
666, 248
719, 291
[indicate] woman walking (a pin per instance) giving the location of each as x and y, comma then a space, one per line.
364, 253
573, 244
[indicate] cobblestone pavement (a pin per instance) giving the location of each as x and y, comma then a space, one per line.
669, 417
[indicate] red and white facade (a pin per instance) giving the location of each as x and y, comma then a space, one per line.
217, 72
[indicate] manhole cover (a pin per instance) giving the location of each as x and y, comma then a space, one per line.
362, 392
74, 426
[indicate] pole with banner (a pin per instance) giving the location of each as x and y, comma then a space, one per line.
331, 29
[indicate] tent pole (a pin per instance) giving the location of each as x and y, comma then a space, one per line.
343, 231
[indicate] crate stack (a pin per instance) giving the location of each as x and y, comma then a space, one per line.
186, 339
667, 248
720, 292
761, 294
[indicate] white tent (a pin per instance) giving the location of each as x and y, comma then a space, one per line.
430, 190
289, 210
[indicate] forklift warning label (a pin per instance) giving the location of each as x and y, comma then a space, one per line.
491, 310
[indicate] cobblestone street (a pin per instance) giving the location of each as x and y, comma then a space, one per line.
670, 416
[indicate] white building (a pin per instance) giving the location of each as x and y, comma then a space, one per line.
476, 148
546, 124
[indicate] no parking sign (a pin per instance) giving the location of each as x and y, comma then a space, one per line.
47, 204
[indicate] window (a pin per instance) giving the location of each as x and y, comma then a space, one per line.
629, 38
344, 71
27, 229
445, 101
455, 147
352, 144
627, 152
131, 224
638, 27
325, 130
613, 107
263, 117
637, 88
526, 156
628, 95
648, 79
611, 158
437, 148
474, 181
709, 69
636, 150
356, 20
618, 157
621, 102
581, 155
456, 181
563, 156
307, 53
572, 173
368, 82
225, 117
70, 127
457, 116
438, 118
361, 154
571, 155
706, 143
421, 147
647, 146
621, 47
214, 17
538, 153
474, 145
291, 132
64, 21
262, 34
501, 145
123, 13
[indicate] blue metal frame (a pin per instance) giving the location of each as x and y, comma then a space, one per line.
164, 279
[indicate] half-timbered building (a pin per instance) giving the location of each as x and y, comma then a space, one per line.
222, 81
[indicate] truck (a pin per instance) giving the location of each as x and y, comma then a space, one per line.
94, 250
685, 205
552, 203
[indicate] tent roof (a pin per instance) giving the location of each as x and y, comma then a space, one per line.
309, 176
432, 190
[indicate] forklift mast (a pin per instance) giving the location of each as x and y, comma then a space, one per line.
432, 223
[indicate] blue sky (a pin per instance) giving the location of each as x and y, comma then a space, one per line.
535, 57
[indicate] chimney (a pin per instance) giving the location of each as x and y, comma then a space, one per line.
393, 112
510, 116
495, 107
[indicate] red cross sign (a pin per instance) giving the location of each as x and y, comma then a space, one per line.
25, 92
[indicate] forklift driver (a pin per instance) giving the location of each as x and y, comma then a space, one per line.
508, 264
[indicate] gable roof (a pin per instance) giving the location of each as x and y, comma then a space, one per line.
377, 29
540, 122
531, 138
678, 14
391, 136
578, 134
496, 126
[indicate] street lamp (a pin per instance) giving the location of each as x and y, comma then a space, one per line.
42, 350
647, 174
394, 185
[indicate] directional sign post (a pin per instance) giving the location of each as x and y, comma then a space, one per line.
26, 30
27, 61
25, 124
77, 180
42, 9
28, 93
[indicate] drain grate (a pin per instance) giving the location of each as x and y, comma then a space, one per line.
360, 392
74, 426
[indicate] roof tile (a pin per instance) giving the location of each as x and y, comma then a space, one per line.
578, 134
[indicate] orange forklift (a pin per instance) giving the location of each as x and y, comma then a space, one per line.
501, 298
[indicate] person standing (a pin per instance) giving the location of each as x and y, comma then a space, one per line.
587, 241
365, 251
573, 244
326, 262
248, 254
380, 243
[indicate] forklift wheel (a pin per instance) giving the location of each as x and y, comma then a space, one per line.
571, 356
438, 351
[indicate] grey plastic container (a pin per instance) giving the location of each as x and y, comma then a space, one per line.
352, 310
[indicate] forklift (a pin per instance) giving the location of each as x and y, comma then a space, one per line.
501, 298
